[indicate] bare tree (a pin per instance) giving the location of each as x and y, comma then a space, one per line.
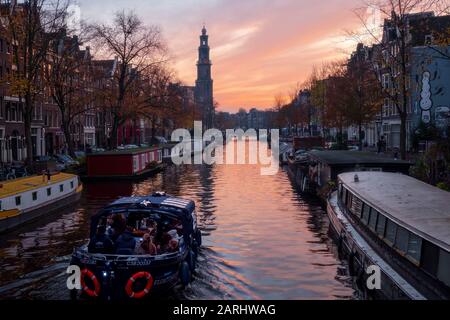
395, 46
31, 25
137, 47
69, 78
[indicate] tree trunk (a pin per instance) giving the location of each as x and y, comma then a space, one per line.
27, 124
360, 142
68, 137
115, 126
403, 137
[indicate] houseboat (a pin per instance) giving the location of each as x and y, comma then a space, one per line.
26, 199
398, 224
124, 164
323, 167
161, 250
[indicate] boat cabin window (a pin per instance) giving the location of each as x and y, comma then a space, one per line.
61, 188
365, 214
343, 195
381, 225
71, 184
373, 219
401, 239
430, 258
391, 231
49, 192
18, 200
356, 207
34, 195
414, 247
349, 200
444, 267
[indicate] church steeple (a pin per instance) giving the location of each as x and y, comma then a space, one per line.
203, 53
204, 83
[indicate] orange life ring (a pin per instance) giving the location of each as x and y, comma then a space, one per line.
132, 280
90, 292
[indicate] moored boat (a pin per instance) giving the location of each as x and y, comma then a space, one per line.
125, 164
26, 199
325, 166
399, 224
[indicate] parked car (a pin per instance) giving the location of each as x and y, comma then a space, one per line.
48, 163
66, 159
97, 150
80, 154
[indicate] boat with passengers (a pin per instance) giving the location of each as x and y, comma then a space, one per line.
139, 247
399, 224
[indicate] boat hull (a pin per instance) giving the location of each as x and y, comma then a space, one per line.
11, 223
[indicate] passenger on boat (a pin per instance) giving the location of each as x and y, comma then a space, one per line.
126, 243
101, 243
173, 245
170, 241
117, 226
147, 247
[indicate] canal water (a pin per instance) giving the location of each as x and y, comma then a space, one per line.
262, 239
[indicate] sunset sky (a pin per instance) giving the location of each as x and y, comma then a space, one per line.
259, 48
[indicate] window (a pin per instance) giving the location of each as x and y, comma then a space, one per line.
349, 200
444, 267
71, 184
401, 239
61, 188
18, 200
385, 81
49, 192
430, 258
381, 225
356, 206
365, 214
34, 195
373, 219
343, 195
414, 247
0, 205
391, 231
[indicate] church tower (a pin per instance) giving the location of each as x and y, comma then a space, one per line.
204, 84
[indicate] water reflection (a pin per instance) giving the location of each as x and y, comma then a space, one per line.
262, 240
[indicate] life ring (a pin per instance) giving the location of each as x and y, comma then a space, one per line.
90, 292
129, 287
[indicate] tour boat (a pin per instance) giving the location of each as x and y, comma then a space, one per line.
26, 199
399, 224
112, 272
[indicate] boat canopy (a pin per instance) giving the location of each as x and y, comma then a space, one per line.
158, 202
418, 207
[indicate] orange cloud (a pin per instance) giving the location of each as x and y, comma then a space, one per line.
258, 47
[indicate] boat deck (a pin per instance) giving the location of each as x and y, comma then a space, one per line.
30, 183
